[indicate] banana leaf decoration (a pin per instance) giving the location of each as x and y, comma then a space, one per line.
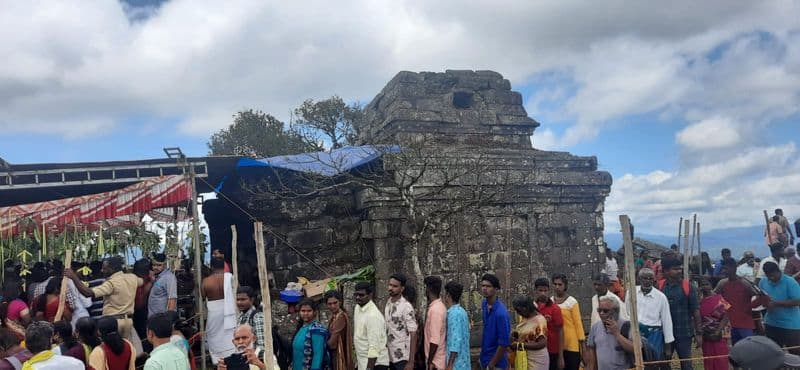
85, 270
23, 255
101, 245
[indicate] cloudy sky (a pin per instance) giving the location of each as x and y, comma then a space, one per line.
692, 108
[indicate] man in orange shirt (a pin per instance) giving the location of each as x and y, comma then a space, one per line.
435, 325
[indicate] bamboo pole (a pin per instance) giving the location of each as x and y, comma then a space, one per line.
234, 258
265, 298
630, 287
691, 243
766, 231
62, 297
686, 249
699, 254
198, 266
680, 229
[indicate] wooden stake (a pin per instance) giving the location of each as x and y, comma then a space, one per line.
234, 258
686, 249
265, 298
680, 228
694, 234
766, 231
699, 254
630, 287
62, 297
198, 267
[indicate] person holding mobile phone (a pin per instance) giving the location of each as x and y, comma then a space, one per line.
608, 348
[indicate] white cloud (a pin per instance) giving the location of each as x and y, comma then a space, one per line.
198, 58
82, 67
727, 193
712, 133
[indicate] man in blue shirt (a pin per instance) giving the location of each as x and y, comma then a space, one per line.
457, 329
782, 322
496, 326
726, 253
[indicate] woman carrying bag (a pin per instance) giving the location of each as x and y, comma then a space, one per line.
529, 338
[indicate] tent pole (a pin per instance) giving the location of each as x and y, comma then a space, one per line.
266, 303
234, 259
198, 265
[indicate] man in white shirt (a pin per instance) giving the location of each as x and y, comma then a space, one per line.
655, 320
38, 340
778, 257
369, 331
401, 324
747, 268
601, 283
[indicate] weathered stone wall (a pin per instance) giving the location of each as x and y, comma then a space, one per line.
551, 223
324, 229
455, 107
548, 220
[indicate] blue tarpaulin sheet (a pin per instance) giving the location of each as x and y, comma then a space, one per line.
329, 163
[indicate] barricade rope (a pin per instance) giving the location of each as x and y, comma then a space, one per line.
679, 360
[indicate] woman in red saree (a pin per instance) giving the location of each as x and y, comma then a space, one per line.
46, 305
716, 331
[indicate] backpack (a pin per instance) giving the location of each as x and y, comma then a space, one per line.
684, 285
648, 353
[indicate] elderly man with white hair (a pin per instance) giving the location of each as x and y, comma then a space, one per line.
244, 339
655, 320
608, 342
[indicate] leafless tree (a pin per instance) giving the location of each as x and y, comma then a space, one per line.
432, 185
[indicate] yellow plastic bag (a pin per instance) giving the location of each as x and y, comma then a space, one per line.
520, 357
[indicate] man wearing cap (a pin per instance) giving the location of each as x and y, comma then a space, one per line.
782, 322
761, 353
164, 294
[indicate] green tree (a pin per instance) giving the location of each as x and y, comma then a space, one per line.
328, 122
256, 134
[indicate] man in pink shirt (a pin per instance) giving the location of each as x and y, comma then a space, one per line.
435, 325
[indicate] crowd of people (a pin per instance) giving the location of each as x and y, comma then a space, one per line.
97, 324
115, 320
722, 304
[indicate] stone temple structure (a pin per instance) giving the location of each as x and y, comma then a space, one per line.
526, 213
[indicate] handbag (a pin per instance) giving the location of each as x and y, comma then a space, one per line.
520, 357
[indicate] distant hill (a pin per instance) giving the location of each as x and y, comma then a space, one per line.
738, 239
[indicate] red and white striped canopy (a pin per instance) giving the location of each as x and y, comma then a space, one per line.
136, 199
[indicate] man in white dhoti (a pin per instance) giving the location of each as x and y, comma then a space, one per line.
221, 323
